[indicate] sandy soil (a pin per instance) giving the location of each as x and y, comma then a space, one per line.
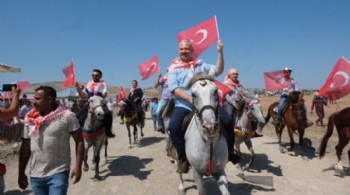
145, 168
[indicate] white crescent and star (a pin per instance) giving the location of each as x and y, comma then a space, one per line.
345, 75
204, 33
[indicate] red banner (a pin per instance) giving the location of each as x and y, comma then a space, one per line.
23, 84
222, 90
121, 94
149, 68
202, 36
338, 83
70, 76
275, 80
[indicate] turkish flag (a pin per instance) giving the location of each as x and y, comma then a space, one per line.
70, 75
338, 83
121, 94
202, 36
149, 68
222, 90
23, 84
275, 80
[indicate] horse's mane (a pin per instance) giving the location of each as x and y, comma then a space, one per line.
199, 76
240, 111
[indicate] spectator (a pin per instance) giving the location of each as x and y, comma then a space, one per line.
154, 107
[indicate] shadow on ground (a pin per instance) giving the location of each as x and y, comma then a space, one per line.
129, 165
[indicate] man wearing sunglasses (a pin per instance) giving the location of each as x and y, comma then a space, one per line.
98, 87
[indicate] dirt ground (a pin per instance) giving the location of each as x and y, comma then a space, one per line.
145, 168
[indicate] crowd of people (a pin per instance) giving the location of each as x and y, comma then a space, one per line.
48, 125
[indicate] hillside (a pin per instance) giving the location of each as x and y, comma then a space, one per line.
113, 90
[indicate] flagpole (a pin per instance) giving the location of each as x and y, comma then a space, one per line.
75, 78
217, 28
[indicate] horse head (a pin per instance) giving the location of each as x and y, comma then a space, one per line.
254, 111
96, 104
205, 102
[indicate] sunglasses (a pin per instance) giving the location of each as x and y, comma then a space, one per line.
234, 73
95, 75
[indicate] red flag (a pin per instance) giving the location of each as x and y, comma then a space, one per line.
222, 90
121, 94
70, 75
149, 68
23, 84
275, 80
338, 82
202, 36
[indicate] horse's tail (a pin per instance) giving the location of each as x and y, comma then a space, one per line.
330, 128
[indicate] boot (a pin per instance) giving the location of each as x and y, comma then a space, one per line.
234, 158
183, 165
109, 134
256, 134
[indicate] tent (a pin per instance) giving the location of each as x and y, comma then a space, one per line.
70, 92
6, 68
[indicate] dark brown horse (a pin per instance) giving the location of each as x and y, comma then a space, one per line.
293, 117
131, 120
341, 120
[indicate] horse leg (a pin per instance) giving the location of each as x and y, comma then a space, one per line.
198, 178
135, 134
301, 141
343, 141
249, 145
129, 134
221, 180
292, 143
86, 150
279, 131
181, 189
97, 151
106, 145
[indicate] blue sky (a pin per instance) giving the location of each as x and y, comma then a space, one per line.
41, 37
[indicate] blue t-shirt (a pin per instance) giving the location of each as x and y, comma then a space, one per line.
180, 77
154, 107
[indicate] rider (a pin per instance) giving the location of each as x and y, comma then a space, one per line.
166, 95
135, 96
180, 73
98, 87
231, 80
289, 86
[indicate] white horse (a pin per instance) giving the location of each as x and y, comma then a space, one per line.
206, 147
249, 111
93, 131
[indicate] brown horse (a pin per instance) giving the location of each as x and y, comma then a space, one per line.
341, 120
293, 117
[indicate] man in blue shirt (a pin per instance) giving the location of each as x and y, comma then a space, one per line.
180, 73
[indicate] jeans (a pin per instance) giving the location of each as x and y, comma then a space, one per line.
175, 128
154, 118
54, 185
161, 107
281, 105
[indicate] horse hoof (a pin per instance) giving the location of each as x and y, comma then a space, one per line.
86, 168
141, 134
98, 177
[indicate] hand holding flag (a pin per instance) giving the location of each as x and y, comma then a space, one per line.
70, 76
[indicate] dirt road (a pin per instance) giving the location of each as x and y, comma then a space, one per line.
145, 169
